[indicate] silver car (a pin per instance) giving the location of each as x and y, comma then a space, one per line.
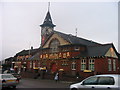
8, 80
100, 82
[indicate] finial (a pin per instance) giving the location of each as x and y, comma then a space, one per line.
48, 6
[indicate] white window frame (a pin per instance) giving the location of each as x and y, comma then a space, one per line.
73, 66
92, 64
109, 65
83, 64
114, 65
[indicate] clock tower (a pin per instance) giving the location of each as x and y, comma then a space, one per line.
46, 28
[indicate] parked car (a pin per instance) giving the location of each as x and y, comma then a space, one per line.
18, 76
101, 82
8, 80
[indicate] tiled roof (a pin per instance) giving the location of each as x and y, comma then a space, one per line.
96, 51
27, 52
100, 50
35, 57
76, 40
48, 21
10, 59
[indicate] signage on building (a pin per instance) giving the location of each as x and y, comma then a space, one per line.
55, 55
87, 71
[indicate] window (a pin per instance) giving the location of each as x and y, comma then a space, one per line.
34, 65
83, 64
109, 65
73, 66
99, 81
64, 62
114, 65
39, 64
106, 81
65, 49
30, 64
91, 64
54, 45
76, 48
90, 81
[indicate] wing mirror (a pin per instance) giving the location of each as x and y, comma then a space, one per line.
82, 83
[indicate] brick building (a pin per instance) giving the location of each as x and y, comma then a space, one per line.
71, 55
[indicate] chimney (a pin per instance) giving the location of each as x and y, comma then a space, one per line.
31, 47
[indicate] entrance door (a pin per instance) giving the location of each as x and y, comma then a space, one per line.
53, 67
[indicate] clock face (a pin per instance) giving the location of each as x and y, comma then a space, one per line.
43, 31
46, 30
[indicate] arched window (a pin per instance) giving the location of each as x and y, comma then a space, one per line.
73, 66
54, 45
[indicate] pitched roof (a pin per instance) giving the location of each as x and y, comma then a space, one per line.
96, 51
93, 48
10, 59
100, 50
27, 52
76, 40
48, 21
35, 57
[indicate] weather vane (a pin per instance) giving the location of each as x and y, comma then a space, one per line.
48, 6
76, 32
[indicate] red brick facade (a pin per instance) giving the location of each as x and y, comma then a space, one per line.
68, 54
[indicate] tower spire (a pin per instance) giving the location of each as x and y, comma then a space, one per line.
47, 27
48, 19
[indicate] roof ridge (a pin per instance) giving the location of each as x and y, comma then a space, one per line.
101, 45
70, 35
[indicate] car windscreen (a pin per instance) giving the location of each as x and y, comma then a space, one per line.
7, 76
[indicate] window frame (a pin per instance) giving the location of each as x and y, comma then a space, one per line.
109, 65
73, 66
54, 45
114, 64
83, 64
92, 64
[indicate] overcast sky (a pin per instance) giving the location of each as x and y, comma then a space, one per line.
96, 21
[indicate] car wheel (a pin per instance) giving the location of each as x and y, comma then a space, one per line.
14, 86
74, 89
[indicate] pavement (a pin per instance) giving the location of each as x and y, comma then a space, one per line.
42, 83
49, 80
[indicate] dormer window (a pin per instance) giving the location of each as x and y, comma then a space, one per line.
76, 48
49, 19
54, 45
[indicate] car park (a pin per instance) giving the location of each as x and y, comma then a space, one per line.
100, 82
8, 80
